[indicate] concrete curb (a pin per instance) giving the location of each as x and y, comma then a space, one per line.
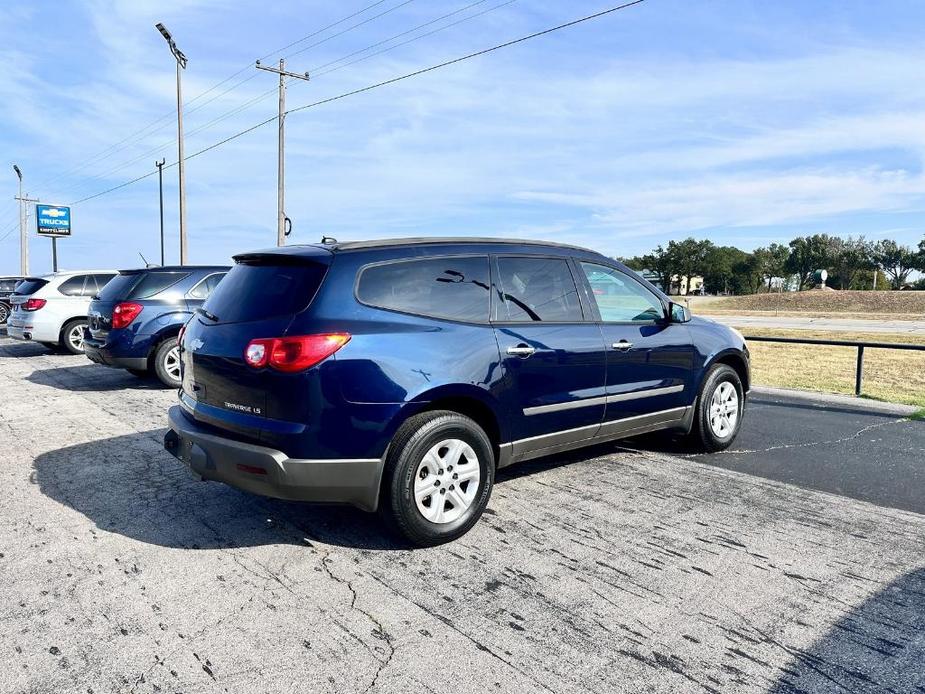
850, 401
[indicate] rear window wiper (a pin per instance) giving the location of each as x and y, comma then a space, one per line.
211, 316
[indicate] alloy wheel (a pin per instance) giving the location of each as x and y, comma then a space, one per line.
724, 410
447, 481
172, 364
75, 337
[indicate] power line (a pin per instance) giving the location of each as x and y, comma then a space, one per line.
250, 102
320, 72
371, 87
146, 130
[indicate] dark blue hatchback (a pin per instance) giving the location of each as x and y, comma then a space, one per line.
399, 375
134, 321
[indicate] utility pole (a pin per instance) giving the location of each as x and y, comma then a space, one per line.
160, 188
23, 236
181, 64
281, 152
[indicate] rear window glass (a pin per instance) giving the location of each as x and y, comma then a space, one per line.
154, 283
30, 286
453, 288
254, 292
118, 287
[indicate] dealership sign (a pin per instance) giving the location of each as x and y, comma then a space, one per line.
53, 220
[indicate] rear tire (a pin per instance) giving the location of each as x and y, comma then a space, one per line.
438, 477
4, 312
167, 363
72, 336
719, 409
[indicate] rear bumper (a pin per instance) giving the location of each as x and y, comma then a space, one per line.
97, 352
269, 472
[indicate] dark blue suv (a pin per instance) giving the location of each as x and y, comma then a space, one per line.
134, 321
399, 375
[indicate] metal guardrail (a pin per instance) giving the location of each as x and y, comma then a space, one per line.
859, 370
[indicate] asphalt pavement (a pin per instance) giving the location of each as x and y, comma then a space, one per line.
838, 325
792, 564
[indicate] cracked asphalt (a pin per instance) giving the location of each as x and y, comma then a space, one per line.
794, 563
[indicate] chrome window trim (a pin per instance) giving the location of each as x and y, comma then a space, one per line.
602, 400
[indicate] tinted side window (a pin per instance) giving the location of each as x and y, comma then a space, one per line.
95, 283
156, 282
538, 289
620, 299
73, 286
453, 288
206, 286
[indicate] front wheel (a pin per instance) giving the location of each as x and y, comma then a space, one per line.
438, 477
719, 409
167, 362
72, 336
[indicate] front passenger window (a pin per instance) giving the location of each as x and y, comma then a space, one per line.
538, 289
621, 299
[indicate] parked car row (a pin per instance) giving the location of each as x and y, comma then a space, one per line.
398, 376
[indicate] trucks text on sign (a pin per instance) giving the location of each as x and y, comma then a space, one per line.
53, 220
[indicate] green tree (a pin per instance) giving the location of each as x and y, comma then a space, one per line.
719, 274
848, 258
689, 258
808, 254
774, 262
749, 272
895, 260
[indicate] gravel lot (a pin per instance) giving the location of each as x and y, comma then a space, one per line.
609, 570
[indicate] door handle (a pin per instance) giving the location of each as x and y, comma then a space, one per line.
622, 345
523, 351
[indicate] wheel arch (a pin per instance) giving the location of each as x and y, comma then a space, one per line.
734, 359
473, 402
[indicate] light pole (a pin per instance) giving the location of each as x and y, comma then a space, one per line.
181, 64
23, 238
160, 188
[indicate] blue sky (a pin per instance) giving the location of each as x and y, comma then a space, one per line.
745, 122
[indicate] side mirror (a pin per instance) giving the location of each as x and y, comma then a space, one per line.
678, 313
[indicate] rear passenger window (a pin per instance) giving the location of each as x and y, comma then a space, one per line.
538, 289
453, 288
156, 282
73, 286
95, 284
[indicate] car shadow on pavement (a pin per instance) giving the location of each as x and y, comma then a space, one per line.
20, 350
131, 486
81, 378
877, 646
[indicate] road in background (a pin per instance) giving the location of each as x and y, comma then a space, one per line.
608, 570
842, 325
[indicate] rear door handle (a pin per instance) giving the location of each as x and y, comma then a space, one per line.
622, 345
523, 351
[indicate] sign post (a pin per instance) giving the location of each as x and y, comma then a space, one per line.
53, 221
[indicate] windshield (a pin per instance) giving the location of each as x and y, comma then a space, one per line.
253, 291
30, 286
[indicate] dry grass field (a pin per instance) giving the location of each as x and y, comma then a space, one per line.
908, 305
892, 375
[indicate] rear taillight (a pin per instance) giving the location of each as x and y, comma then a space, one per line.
295, 353
124, 313
33, 304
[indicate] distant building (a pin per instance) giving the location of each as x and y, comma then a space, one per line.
680, 286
